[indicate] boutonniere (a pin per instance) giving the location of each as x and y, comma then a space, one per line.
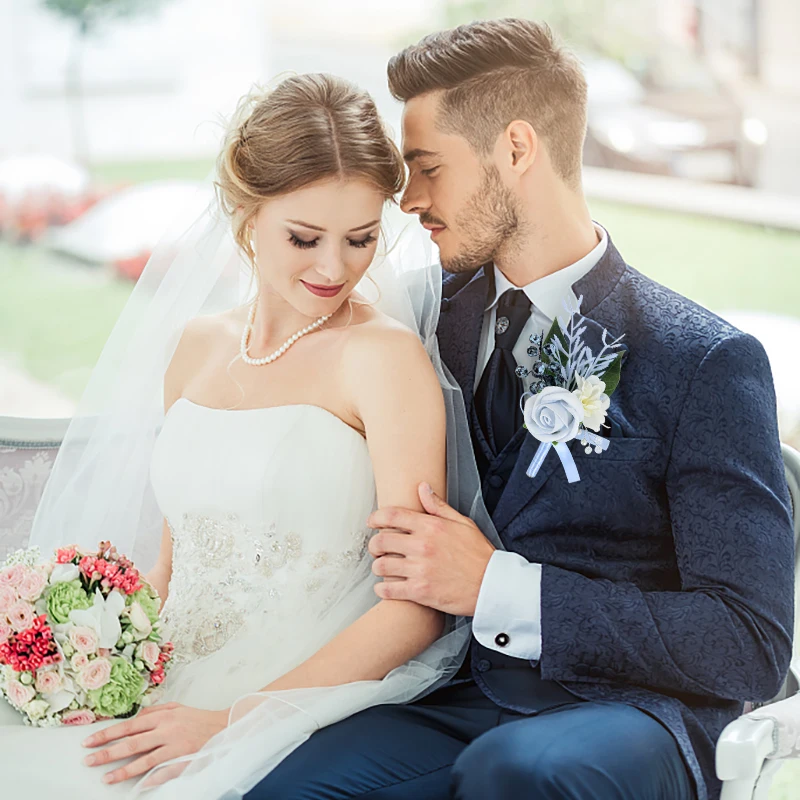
570, 391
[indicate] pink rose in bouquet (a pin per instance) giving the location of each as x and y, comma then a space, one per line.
84, 717
18, 694
5, 631
12, 575
8, 597
21, 615
48, 681
84, 640
95, 674
32, 585
79, 661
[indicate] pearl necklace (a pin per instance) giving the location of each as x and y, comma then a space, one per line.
257, 362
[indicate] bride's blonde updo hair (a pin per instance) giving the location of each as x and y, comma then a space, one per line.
305, 129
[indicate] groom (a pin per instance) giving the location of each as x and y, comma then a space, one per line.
633, 612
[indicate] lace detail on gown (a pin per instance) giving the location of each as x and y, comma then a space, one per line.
223, 570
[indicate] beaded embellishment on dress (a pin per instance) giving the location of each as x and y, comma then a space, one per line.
221, 572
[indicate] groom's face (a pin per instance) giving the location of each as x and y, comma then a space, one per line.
457, 195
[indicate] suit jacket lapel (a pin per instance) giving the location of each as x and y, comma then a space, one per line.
459, 332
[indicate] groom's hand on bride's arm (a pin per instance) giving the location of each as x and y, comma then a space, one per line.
156, 734
444, 555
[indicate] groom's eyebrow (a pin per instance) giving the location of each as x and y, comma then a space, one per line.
412, 155
317, 227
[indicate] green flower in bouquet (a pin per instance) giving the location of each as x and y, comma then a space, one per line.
149, 604
65, 597
121, 693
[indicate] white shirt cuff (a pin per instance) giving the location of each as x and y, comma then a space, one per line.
508, 613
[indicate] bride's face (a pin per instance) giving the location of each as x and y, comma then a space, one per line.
314, 245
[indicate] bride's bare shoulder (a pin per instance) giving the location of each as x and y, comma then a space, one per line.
372, 331
382, 348
200, 334
198, 340
215, 328
390, 382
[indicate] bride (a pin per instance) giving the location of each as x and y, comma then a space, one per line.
279, 425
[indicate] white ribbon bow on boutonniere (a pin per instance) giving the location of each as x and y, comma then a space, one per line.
569, 395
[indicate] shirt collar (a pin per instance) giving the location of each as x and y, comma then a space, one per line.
548, 293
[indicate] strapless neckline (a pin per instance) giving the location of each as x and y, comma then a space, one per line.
304, 406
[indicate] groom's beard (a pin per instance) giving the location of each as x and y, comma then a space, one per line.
491, 220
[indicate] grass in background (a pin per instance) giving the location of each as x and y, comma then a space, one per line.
140, 171
722, 265
55, 315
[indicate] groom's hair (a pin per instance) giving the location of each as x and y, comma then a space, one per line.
494, 72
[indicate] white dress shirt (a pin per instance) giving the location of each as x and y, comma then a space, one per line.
510, 596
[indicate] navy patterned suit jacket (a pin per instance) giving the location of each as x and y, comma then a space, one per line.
667, 576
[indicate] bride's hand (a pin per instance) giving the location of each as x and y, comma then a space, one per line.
156, 734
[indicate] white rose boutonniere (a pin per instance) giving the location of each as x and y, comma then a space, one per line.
554, 415
571, 391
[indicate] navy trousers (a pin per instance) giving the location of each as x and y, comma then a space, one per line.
457, 743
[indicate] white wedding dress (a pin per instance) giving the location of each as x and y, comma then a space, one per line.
268, 510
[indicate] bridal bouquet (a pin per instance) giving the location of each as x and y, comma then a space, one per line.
80, 636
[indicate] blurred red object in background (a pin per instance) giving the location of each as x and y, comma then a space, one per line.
29, 218
131, 268
38, 191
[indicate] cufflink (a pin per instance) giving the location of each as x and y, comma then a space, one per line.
502, 639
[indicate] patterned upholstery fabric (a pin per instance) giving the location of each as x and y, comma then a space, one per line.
28, 449
786, 716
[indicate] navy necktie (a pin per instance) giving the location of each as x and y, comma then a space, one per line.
499, 389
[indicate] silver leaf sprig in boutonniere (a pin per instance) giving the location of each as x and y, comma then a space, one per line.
570, 391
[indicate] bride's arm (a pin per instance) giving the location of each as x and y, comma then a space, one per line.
397, 396
159, 576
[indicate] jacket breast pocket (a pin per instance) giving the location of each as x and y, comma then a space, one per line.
622, 448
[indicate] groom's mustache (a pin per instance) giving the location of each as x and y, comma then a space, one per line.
427, 219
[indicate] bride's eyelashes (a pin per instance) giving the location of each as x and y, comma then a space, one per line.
302, 243
362, 242
305, 244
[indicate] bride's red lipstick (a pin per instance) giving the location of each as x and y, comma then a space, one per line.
323, 291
